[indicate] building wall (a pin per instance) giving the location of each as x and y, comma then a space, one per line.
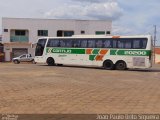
8, 48
157, 55
1, 53
52, 25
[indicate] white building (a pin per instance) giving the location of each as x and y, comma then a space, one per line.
19, 33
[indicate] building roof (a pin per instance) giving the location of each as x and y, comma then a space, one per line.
17, 43
56, 19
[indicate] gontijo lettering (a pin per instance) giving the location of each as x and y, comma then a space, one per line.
54, 50
61, 51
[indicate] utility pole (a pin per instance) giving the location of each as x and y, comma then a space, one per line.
154, 42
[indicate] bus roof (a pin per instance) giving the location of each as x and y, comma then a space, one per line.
100, 36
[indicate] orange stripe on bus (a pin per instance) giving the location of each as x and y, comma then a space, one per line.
103, 52
89, 51
99, 57
116, 37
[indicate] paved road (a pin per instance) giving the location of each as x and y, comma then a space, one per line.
28, 88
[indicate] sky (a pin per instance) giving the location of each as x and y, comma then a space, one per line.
130, 17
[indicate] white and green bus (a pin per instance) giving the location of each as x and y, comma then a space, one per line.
109, 52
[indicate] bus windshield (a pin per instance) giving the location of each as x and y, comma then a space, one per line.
40, 47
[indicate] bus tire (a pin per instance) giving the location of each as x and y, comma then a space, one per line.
108, 65
121, 65
50, 61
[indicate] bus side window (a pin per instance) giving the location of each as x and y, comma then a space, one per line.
128, 44
53, 43
107, 43
124, 43
136, 44
76, 43
115, 43
140, 43
56, 43
144, 42
62, 43
49, 43
83, 44
91, 43
69, 43
121, 43
99, 43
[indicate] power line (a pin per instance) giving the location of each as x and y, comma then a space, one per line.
154, 41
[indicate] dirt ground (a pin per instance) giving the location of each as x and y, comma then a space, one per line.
28, 88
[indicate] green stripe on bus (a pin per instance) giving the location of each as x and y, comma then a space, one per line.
131, 52
92, 57
65, 50
96, 51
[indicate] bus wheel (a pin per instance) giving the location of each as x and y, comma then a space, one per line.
50, 61
121, 65
108, 65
